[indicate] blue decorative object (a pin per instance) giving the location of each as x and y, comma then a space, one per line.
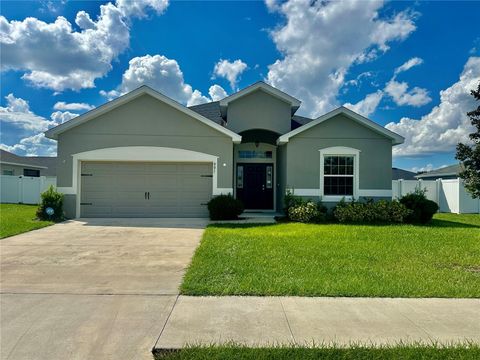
49, 211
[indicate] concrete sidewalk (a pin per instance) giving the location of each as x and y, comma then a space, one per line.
257, 321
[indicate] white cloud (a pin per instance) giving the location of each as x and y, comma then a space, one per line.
29, 128
401, 95
446, 124
217, 93
61, 105
408, 65
162, 74
59, 117
55, 56
17, 113
138, 8
320, 41
230, 70
35, 145
417, 169
400, 92
368, 105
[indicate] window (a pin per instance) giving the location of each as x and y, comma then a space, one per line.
252, 154
31, 172
240, 177
269, 176
8, 172
339, 173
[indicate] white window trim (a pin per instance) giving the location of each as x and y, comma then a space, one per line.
340, 151
140, 154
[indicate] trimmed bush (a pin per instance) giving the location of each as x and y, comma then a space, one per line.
381, 211
51, 198
307, 212
421, 209
225, 207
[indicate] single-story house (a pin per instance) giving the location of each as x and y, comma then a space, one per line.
33, 166
446, 172
402, 174
145, 155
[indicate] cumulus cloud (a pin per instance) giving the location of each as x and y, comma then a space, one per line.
162, 74
17, 113
402, 95
400, 92
61, 105
28, 128
230, 71
368, 105
55, 56
35, 145
313, 65
138, 8
59, 117
446, 124
217, 93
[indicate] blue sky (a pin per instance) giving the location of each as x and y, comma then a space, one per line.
389, 61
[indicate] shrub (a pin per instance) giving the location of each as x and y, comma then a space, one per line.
51, 198
224, 207
421, 209
381, 211
291, 201
307, 212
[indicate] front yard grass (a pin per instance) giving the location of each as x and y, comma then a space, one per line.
404, 352
441, 259
17, 218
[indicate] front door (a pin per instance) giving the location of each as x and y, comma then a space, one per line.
255, 186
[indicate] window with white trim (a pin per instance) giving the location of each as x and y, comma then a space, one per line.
338, 175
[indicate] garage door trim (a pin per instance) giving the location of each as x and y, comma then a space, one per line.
139, 154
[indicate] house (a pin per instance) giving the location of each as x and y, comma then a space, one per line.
33, 166
446, 172
145, 155
398, 174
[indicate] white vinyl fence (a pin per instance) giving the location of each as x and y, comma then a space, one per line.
450, 195
24, 189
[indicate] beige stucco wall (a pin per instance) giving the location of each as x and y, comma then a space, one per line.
303, 158
145, 121
259, 110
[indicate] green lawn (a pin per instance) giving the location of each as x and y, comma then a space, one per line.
357, 353
441, 259
17, 219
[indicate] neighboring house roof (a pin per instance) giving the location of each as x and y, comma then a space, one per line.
211, 111
396, 139
452, 170
260, 85
142, 90
48, 163
12, 159
398, 174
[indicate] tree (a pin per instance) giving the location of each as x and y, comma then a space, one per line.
469, 155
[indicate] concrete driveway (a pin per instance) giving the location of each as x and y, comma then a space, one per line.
96, 289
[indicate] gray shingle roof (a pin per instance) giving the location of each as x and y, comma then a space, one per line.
209, 110
402, 174
447, 170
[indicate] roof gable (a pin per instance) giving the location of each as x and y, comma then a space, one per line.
294, 103
396, 139
54, 132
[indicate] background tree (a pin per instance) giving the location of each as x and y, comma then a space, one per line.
469, 155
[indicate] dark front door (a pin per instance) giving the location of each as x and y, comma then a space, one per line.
255, 185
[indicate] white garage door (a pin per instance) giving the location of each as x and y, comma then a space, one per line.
123, 189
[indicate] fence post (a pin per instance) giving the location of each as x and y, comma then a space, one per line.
400, 182
438, 185
20, 190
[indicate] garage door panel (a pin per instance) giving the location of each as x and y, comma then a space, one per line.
118, 189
